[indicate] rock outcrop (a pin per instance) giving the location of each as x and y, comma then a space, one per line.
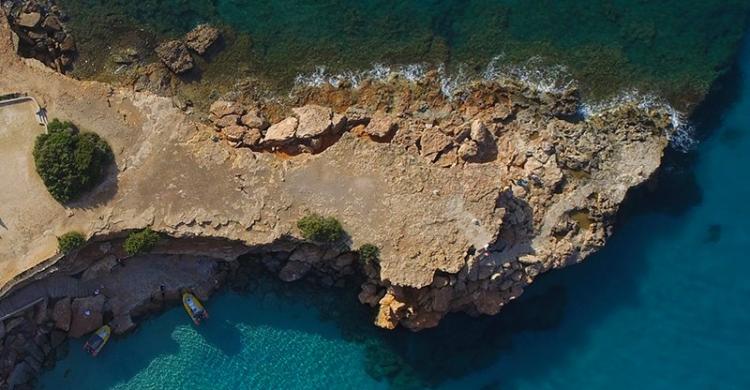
468, 200
202, 37
501, 188
39, 33
87, 315
174, 54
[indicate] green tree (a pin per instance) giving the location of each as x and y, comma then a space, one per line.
318, 228
70, 162
70, 241
141, 241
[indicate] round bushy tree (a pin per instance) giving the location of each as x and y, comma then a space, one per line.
70, 241
70, 162
141, 241
318, 228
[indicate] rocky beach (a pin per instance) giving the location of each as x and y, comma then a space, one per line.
468, 196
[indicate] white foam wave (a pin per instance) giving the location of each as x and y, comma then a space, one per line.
682, 133
452, 84
378, 73
533, 74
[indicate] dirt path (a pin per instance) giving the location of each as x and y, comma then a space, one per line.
25, 205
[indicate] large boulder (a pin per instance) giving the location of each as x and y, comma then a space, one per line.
227, 120
234, 133
52, 24
175, 55
56, 338
254, 120
390, 312
282, 132
87, 315
122, 324
480, 134
307, 253
222, 108
29, 20
68, 44
469, 150
381, 126
369, 294
314, 121
21, 374
434, 142
480, 145
202, 37
293, 271
61, 314
252, 137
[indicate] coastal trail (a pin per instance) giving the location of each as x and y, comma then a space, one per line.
47, 288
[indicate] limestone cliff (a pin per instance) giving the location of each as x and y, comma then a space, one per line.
468, 199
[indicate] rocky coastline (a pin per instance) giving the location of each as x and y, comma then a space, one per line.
39, 32
469, 199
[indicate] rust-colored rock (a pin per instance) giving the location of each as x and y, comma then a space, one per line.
202, 37
381, 125
234, 133
390, 312
175, 56
282, 132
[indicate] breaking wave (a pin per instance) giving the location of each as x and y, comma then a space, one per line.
682, 135
533, 74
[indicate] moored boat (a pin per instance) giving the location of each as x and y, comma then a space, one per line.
194, 308
97, 341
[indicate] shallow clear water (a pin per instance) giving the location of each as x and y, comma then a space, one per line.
269, 343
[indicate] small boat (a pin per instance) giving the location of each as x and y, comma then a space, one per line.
98, 340
194, 308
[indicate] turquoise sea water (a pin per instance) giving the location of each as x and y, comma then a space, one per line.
662, 306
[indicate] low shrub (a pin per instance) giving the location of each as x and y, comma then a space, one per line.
70, 241
368, 254
140, 242
70, 162
318, 228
